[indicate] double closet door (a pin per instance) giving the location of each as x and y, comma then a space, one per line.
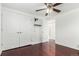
17, 30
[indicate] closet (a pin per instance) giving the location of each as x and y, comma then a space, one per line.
18, 30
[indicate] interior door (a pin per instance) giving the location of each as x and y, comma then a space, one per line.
26, 31
37, 35
10, 26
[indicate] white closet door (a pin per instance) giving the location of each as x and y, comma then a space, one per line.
0, 28
10, 26
37, 35
26, 31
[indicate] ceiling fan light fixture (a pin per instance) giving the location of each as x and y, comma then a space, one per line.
50, 7
49, 10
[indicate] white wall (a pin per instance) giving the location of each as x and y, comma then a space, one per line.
0, 28
67, 29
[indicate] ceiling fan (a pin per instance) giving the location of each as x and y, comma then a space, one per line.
50, 7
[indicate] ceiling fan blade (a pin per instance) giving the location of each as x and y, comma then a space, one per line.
40, 9
46, 14
56, 4
56, 10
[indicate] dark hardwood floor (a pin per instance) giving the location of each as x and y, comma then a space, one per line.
41, 49
65, 51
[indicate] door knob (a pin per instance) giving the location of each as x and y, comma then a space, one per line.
19, 32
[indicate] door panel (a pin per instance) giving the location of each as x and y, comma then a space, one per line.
26, 31
10, 26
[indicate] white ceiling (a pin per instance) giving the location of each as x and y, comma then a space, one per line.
31, 7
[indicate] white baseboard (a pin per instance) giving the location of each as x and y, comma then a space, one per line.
60, 43
38, 42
